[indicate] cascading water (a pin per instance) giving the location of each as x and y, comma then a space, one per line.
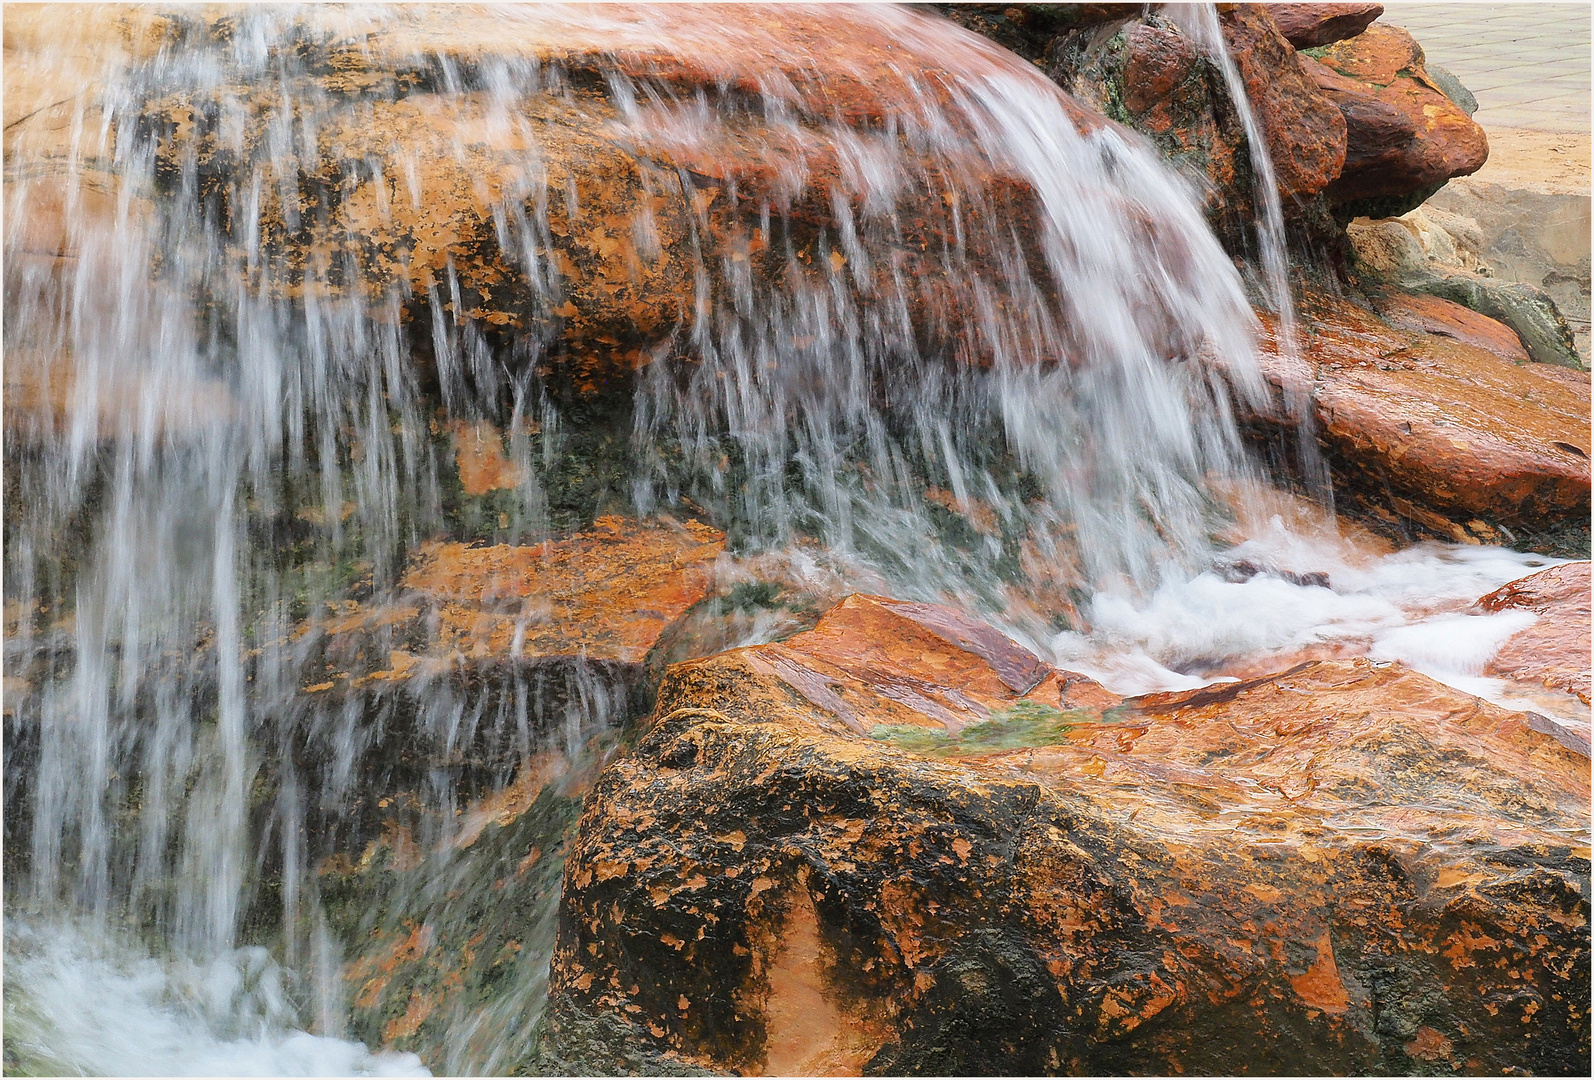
962, 342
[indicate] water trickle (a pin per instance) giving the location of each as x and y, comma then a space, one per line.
917, 322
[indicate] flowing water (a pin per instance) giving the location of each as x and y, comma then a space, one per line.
216, 442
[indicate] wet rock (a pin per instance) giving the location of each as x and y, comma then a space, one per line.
1405, 137
1309, 25
1431, 315
1153, 76
569, 229
1343, 868
1443, 432
1555, 650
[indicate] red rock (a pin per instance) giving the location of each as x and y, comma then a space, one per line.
1448, 426
1309, 25
760, 888
1555, 650
1381, 161
1432, 315
1305, 133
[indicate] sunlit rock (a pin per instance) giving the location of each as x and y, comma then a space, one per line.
805, 868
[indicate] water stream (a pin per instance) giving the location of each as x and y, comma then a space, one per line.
219, 442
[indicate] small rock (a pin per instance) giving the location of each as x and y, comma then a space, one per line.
1310, 25
1555, 650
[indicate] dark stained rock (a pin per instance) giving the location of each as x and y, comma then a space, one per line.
1151, 75
1345, 868
1555, 650
1444, 432
1432, 315
1308, 25
1378, 82
1030, 29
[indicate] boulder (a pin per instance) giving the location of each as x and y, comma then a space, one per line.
816, 863
1440, 431
1555, 650
1404, 136
1309, 25
1154, 76
564, 223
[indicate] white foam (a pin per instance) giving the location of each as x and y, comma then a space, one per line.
82, 1003
1412, 606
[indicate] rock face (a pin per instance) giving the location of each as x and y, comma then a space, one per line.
1405, 136
1555, 650
1342, 868
1445, 432
1309, 25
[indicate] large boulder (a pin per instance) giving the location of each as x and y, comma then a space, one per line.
827, 857
1405, 137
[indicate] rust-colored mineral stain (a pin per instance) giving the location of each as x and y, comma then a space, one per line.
806, 1032
1321, 987
479, 455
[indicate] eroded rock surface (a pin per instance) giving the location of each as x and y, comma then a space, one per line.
1342, 868
1555, 650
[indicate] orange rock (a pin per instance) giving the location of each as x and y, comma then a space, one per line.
1433, 315
604, 594
1305, 133
1555, 650
1405, 137
1118, 892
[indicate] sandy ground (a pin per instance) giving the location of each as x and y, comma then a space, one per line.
1548, 162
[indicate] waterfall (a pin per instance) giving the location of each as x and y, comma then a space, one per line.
973, 347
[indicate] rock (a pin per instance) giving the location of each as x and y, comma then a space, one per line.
1431, 315
1526, 308
1449, 427
1308, 25
1381, 89
1344, 868
1436, 253
604, 596
1555, 650
439, 203
1531, 210
1154, 77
